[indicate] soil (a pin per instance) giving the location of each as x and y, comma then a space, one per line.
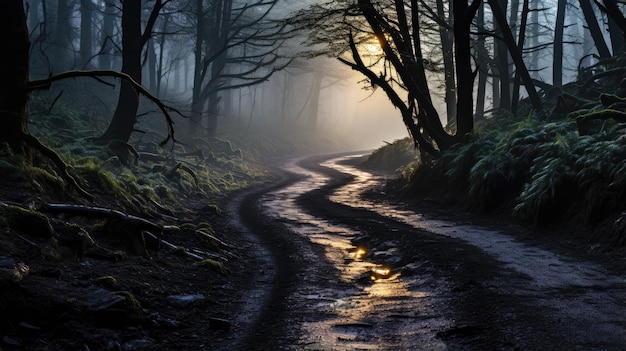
75, 298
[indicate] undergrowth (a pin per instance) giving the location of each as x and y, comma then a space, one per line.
542, 171
140, 176
539, 171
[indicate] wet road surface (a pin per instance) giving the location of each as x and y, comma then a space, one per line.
343, 272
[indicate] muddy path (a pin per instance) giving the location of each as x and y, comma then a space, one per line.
337, 270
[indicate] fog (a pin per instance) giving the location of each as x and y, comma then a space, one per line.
344, 110
245, 75
257, 86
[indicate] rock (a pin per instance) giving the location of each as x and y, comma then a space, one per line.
365, 278
185, 300
361, 240
106, 281
111, 309
411, 269
98, 300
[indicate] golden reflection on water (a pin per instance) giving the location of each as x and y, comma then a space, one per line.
359, 253
378, 311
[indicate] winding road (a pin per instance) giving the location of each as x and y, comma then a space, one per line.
339, 270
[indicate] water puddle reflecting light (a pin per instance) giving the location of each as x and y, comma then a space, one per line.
364, 318
360, 253
380, 273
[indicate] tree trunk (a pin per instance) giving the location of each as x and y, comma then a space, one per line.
515, 28
86, 13
516, 55
33, 14
159, 74
314, 102
125, 115
501, 57
108, 21
222, 31
14, 75
559, 27
594, 29
14, 89
534, 37
447, 39
465, 76
196, 104
151, 67
62, 38
617, 26
483, 66
520, 44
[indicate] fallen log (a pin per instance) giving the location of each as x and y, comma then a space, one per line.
101, 212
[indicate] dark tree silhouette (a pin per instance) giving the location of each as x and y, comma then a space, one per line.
396, 26
15, 89
237, 45
133, 41
557, 66
594, 29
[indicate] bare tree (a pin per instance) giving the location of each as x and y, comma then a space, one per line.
594, 29
237, 45
15, 90
86, 20
396, 25
133, 42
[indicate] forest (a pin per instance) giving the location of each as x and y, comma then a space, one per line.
130, 128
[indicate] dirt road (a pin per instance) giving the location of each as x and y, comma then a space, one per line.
338, 270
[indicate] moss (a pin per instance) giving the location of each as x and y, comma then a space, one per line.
51, 251
164, 192
131, 301
180, 251
120, 254
206, 227
107, 281
211, 264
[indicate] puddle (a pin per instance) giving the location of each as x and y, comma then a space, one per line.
381, 311
581, 296
545, 268
384, 313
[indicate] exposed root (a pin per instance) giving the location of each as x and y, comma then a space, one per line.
37, 145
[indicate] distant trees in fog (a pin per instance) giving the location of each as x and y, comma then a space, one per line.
194, 51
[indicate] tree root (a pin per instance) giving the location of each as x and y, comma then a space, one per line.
135, 222
37, 145
186, 169
135, 227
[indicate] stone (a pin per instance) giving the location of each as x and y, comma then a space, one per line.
185, 300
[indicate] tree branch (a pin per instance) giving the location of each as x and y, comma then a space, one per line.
44, 84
